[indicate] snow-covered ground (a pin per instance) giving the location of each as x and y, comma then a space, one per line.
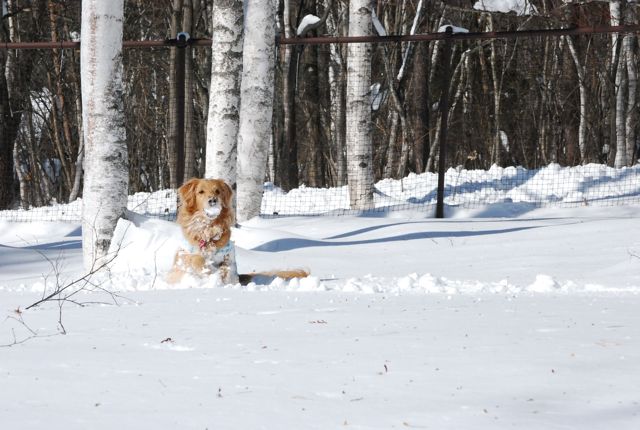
503, 316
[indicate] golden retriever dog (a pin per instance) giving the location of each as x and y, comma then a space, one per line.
205, 215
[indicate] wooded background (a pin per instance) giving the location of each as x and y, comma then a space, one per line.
527, 102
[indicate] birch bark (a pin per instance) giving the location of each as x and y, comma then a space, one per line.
256, 105
617, 55
224, 94
106, 172
497, 89
631, 57
582, 85
359, 144
77, 180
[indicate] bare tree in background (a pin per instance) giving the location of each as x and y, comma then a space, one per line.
338, 24
286, 146
189, 129
106, 163
616, 8
21, 20
172, 160
630, 52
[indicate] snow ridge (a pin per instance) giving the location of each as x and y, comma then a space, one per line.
426, 284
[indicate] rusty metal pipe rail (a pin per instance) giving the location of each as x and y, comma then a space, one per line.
165, 43
573, 31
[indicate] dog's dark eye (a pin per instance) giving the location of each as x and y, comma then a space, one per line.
217, 192
201, 192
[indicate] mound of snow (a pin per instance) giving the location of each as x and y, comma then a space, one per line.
520, 7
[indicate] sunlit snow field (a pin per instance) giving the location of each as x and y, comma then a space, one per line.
501, 316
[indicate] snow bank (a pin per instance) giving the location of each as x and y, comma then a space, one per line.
592, 184
159, 204
553, 185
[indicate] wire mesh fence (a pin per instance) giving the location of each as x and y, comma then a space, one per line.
534, 120
537, 120
40, 133
165, 128
46, 128
47, 156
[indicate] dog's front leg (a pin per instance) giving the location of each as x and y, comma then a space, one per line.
228, 270
184, 262
192, 263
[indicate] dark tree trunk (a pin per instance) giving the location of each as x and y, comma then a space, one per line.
7, 137
307, 117
418, 106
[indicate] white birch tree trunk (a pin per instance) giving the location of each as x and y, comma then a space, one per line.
256, 105
497, 97
632, 110
631, 57
582, 85
621, 141
359, 144
106, 164
615, 10
224, 94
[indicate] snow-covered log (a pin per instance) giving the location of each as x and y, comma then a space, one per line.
256, 105
106, 164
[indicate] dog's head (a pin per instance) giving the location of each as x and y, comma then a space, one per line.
211, 196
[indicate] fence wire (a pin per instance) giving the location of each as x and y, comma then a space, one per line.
530, 120
537, 121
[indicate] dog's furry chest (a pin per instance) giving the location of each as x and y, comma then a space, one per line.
203, 228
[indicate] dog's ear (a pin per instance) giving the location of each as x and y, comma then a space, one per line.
187, 194
228, 194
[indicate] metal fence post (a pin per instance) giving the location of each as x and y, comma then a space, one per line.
181, 43
444, 118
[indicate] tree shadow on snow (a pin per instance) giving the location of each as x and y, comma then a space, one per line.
288, 244
60, 245
373, 228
